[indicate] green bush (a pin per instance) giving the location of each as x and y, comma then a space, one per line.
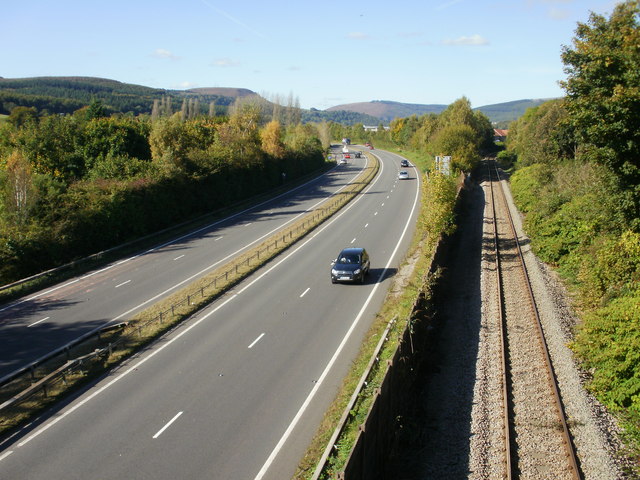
573, 217
608, 341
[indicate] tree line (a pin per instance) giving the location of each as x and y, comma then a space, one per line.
576, 177
75, 184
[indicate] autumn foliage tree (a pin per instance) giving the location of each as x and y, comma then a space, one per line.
271, 139
19, 190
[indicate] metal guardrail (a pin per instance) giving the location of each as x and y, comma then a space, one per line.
361, 464
231, 274
101, 254
331, 445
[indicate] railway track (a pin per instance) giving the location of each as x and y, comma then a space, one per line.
537, 440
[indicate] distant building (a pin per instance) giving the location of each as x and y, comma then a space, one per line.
500, 135
371, 128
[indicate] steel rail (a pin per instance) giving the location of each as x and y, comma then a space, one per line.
553, 381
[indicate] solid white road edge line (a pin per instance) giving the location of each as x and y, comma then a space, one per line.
316, 387
231, 255
153, 353
157, 247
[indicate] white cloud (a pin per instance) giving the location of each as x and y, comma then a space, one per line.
225, 62
162, 53
473, 40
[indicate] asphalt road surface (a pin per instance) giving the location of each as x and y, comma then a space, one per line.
238, 391
35, 326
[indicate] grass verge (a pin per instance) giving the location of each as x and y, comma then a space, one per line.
436, 217
106, 351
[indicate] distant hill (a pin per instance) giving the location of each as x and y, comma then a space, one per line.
68, 94
223, 92
509, 111
344, 117
386, 111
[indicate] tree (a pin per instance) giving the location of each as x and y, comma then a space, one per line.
460, 142
603, 93
95, 110
116, 137
271, 138
19, 190
241, 133
19, 116
542, 135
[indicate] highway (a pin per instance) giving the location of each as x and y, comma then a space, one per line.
34, 326
238, 391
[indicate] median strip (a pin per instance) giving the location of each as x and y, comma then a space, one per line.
112, 347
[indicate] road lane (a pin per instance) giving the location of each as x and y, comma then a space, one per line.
91, 301
237, 402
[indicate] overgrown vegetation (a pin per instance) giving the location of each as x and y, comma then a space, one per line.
577, 179
75, 184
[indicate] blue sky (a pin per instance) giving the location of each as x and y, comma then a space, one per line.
323, 53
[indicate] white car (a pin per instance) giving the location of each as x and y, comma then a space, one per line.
403, 175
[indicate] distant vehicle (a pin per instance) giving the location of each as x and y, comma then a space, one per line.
403, 175
346, 141
358, 154
367, 144
342, 161
370, 147
346, 155
351, 265
404, 163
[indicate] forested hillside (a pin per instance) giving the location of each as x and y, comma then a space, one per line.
386, 111
68, 94
576, 177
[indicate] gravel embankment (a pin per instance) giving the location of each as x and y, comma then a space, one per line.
459, 421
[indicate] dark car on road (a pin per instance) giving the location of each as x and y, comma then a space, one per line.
404, 163
351, 265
